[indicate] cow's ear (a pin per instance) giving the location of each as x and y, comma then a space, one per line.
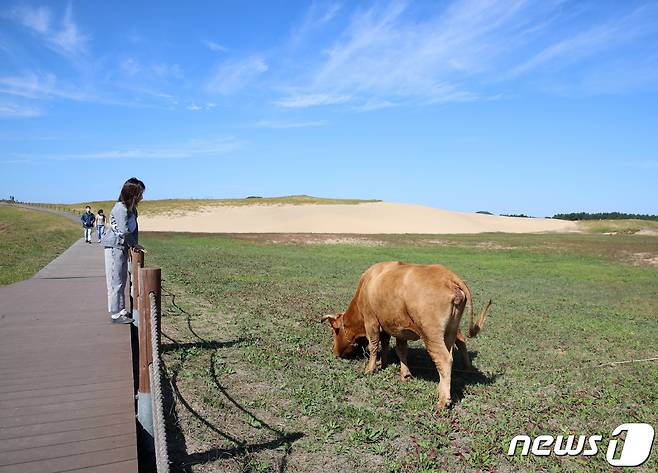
332, 318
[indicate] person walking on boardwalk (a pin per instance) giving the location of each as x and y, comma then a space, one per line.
122, 234
88, 220
100, 224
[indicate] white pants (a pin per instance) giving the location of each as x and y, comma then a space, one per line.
88, 232
116, 274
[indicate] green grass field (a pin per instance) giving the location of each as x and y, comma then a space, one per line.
30, 239
618, 226
255, 386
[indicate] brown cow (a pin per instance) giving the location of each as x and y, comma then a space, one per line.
408, 302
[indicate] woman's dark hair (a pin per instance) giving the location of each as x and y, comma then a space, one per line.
100, 211
131, 191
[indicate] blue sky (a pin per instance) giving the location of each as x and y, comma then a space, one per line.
509, 106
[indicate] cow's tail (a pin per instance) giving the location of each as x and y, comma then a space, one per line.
473, 328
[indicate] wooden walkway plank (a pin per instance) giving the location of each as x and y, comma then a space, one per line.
66, 389
101, 457
79, 423
58, 438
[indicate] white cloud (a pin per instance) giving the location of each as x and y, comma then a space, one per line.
594, 40
130, 66
215, 46
310, 100
283, 125
403, 52
64, 38
44, 87
69, 37
17, 161
40, 86
316, 17
374, 104
329, 13
165, 70
195, 107
37, 19
199, 148
386, 55
11, 110
232, 76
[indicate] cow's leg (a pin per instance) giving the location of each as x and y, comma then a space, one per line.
460, 342
373, 345
385, 338
443, 360
401, 350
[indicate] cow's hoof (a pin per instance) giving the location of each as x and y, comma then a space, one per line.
405, 377
443, 404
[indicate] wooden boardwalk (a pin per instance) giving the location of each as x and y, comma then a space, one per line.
66, 381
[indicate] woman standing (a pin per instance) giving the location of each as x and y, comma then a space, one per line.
121, 235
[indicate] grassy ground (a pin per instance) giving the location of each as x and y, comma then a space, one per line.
164, 206
30, 239
255, 386
618, 226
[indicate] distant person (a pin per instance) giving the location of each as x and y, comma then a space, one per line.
122, 234
100, 224
88, 219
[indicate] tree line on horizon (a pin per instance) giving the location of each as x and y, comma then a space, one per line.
604, 216
584, 216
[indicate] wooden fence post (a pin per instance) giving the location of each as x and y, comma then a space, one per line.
136, 262
149, 282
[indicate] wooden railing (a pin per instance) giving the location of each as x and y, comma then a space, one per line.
145, 297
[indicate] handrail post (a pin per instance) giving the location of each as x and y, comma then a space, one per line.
136, 262
150, 282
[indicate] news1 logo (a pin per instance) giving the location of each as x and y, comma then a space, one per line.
634, 451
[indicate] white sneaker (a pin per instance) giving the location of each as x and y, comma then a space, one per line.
123, 312
122, 320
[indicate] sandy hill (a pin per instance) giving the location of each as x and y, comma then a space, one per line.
364, 218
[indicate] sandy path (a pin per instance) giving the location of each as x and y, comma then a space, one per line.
379, 217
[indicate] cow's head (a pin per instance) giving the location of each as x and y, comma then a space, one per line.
344, 342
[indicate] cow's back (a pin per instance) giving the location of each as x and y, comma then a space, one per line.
407, 300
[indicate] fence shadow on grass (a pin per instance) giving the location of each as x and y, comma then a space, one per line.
182, 460
205, 345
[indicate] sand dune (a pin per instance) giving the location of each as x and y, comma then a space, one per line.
367, 218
